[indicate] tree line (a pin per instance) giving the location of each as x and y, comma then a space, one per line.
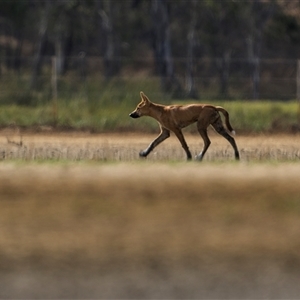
163, 30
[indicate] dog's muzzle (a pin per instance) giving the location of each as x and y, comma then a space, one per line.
134, 115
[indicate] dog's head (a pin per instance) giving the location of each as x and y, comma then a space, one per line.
142, 108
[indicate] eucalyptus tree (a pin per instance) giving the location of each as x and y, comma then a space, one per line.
160, 12
43, 11
13, 16
191, 89
222, 36
257, 15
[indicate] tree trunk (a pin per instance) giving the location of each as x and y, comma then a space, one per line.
261, 12
60, 58
40, 45
109, 46
191, 91
223, 66
162, 48
254, 63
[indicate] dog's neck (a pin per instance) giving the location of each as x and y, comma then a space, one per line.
156, 110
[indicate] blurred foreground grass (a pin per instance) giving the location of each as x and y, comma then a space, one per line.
139, 215
149, 230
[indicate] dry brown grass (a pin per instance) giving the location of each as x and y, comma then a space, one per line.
136, 217
116, 147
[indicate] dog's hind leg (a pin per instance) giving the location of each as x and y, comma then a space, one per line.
206, 140
164, 134
218, 126
202, 124
183, 143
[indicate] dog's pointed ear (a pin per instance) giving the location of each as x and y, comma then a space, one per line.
144, 97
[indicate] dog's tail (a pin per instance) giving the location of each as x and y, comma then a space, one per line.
226, 115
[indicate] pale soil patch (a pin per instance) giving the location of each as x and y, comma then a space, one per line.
149, 229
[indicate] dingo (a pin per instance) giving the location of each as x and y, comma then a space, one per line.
175, 117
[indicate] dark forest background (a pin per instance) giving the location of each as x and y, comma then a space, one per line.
188, 45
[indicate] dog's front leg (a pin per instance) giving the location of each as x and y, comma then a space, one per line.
164, 134
183, 143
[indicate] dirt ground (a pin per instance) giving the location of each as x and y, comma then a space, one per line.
99, 223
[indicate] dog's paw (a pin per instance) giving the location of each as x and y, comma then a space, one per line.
198, 157
143, 154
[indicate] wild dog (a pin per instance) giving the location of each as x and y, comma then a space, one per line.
175, 117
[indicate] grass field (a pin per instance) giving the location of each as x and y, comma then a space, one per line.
81, 216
